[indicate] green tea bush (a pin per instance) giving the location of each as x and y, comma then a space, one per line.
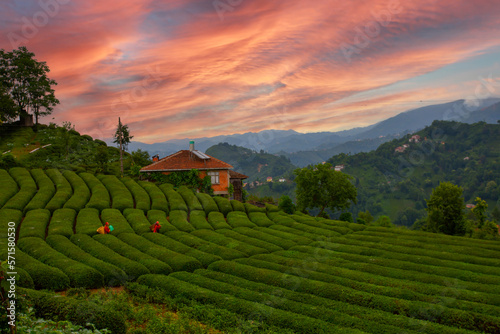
154, 265
161, 217
88, 221
141, 196
133, 269
80, 275
7, 216
237, 205
178, 218
176, 246
224, 205
199, 221
270, 247
312, 232
9, 187
158, 199
177, 261
190, 198
252, 208
81, 192
254, 233
282, 232
77, 311
113, 276
100, 199
260, 219
62, 222
46, 190
239, 219
27, 189
308, 220
175, 200
205, 246
272, 208
63, 190
217, 220
219, 239
34, 224
121, 198
137, 220
115, 218
208, 203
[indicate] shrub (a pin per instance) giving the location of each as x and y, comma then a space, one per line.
176, 246
124, 249
217, 220
190, 198
178, 218
100, 199
175, 200
62, 222
230, 243
133, 269
27, 189
161, 217
7, 216
113, 276
63, 190
46, 190
260, 219
137, 220
158, 199
81, 192
79, 274
34, 224
224, 205
252, 208
9, 187
199, 221
239, 219
270, 247
346, 217
141, 197
237, 205
177, 261
115, 218
77, 311
208, 203
286, 204
88, 221
205, 246
121, 198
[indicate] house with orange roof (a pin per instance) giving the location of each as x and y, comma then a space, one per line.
220, 172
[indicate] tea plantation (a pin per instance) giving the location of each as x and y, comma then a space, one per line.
296, 273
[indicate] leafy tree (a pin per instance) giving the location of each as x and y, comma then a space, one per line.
321, 187
8, 108
101, 157
141, 158
445, 210
496, 214
365, 216
122, 138
27, 83
383, 221
346, 217
286, 204
480, 211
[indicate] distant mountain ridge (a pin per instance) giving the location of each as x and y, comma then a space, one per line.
293, 144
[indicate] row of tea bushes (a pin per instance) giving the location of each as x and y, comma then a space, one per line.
137, 220
115, 218
7, 217
190, 198
80, 275
223, 204
100, 199
161, 217
270, 247
306, 230
208, 203
121, 198
178, 218
62, 222
260, 219
63, 190
141, 196
88, 221
253, 208
46, 191
310, 221
199, 221
113, 276
27, 189
154, 265
9, 187
158, 199
285, 234
175, 200
269, 238
230, 243
35, 224
217, 220
133, 269
206, 246
237, 205
239, 219
81, 192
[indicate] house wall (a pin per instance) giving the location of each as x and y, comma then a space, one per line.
219, 189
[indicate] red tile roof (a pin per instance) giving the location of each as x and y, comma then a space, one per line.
236, 175
185, 160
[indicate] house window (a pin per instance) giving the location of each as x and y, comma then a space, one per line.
214, 177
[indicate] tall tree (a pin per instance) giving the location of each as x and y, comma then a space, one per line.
322, 187
445, 210
26, 81
122, 138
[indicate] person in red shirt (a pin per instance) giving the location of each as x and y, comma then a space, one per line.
156, 227
106, 228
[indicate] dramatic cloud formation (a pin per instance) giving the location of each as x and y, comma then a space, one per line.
196, 68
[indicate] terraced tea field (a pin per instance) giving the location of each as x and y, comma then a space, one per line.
295, 272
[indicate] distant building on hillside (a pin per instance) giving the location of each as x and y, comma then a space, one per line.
470, 206
269, 179
400, 149
338, 168
282, 180
414, 139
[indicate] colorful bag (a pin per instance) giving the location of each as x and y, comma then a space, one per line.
111, 228
100, 230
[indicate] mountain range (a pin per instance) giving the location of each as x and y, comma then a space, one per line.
309, 148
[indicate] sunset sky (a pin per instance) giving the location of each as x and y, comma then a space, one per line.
200, 68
